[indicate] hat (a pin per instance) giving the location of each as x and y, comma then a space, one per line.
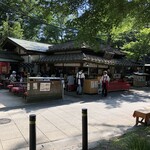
14, 72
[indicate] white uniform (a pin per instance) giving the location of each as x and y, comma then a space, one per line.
80, 75
104, 78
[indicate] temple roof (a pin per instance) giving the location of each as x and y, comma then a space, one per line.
27, 45
82, 57
74, 45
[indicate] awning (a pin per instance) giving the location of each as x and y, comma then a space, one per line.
7, 60
7, 56
147, 65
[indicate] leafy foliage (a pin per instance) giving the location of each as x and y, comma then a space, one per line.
141, 47
135, 139
60, 20
14, 31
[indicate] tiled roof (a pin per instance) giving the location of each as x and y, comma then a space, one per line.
9, 56
30, 46
67, 46
72, 45
62, 58
82, 57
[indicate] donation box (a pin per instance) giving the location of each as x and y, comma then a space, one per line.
44, 88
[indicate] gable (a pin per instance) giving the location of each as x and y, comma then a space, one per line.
12, 43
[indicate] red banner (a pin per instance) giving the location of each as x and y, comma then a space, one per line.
4, 67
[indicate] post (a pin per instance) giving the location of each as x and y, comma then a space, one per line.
84, 130
62, 87
32, 136
28, 75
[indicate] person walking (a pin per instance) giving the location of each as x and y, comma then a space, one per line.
12, 77
80, 81
105, 81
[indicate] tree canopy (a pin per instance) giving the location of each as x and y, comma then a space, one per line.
53, 21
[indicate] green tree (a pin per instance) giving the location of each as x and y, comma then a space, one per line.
141, 47
7, 31
94, 16
16, 30
49, 20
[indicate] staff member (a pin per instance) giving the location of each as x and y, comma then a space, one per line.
105, 81
80, 80
12, 77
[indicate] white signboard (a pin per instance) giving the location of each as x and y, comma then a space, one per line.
102, 66
94, 84
34, 86
45, 86
28, 86
117, 76
91, 65
72, 64
67, 64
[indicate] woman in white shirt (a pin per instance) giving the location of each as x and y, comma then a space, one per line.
105, 81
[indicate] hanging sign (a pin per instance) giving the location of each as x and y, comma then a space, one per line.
67, 64
4, 67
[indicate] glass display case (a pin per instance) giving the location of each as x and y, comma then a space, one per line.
139, 79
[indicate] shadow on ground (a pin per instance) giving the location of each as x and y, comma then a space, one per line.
113, 100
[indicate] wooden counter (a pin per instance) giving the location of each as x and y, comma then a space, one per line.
90, 86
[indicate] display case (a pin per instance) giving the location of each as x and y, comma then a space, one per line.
139, 79
90, 86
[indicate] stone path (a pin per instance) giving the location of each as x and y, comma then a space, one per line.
59, 122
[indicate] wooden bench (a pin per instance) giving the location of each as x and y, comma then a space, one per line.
10, 87
17, 87
118, 85
142, 116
